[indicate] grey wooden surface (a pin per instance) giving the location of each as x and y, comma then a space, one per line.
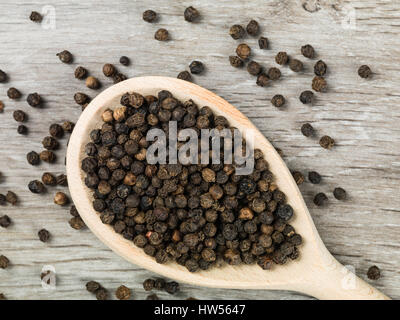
362, 116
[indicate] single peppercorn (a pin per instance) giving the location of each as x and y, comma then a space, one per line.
13, 93
56, 130
102, 294
278, 100
50, 143
307, 130
119, 77
44, 235
4, 262
35, 17
184, 75
47, 156
92, 286
274, 73
308, 51
320, 68
254, 68
306, 97
298, 177
76, 223
11, 198
172, 287
3, 76
49, 179
22, 129
109, 70
196, 67
236, 31
243, 51
374, 273
80, 73
148, 284
123, 293
5, 221
36, 186
252, 28
281, 58
60, 198
235, 61
263, 43
149, 16
34, 99
319, 84
314, 177
262, 80
320, 199
161, 34
327, 142
68, 126
124, 60
65, 56
191, 14
339, 193
364, 71
81, 98
19, 116
92, 83
295, 65
33, 158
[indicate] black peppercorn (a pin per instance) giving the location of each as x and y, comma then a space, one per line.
149, 16
50, 143
306, 97
339, 193
327, 142
314, 177
319, 84
56, 130
243, 51
35, 16
254, 68
320, 68
80, 73
33, 158
65, 56
281, 58
124, 60
308, 51
374, 273
34, 99
185, 75
263, 43
307, 130
19, 116
274, 73
3, 76
364, 71
252, 28
196, 67
44, 235
36, 186
161, 34
236, 31
320, 199
5, 221
22, 129
191, 14
235, 61
295, 65
13, 93
278, 100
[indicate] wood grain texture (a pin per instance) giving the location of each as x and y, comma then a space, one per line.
361, 115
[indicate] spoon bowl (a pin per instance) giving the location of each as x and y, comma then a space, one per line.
315, 273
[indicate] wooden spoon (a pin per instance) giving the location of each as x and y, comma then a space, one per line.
316, 272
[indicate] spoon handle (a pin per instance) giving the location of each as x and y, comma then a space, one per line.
337, 282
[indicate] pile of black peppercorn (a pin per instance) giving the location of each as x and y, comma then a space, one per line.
195, 215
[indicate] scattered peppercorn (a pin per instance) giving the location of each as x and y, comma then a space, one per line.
50, 143
278, 100
102, 294
44, 235
47, 156
274, 73
34, 99
307, 130
235, 61
49, 179
19, 116
65, 56
306, 97
80, 73
148, 284
92, 83
11, 198
295, 65
262, 80
4, 262
76, 223
184, 75
35, 16
314, 177
81, 98
68, 126
161, 34
319, 84
124, 60
56, 130
320, 199
22, 129
36, 186
236, 31
3, 76
326, 142
339, 193
33, 158
172, 287
109, 70
364, 72
254, 68
374, 273
281, 58
243, 51
191, 14
93, 286
123, 293
196, 67
320, 68
263, 43
149, 16
298, 177
5, 220
252, 28
308, 51
13, 93
60, 198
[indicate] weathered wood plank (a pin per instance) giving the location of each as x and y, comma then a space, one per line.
362, 116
